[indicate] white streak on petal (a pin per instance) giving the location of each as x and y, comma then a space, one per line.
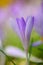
15, 52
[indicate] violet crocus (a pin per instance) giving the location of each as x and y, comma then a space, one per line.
39, 23
23, 29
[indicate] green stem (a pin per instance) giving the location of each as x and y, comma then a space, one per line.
27, 63
7, 56
27, 58
30, 50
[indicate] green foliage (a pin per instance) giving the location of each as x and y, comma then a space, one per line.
13, 39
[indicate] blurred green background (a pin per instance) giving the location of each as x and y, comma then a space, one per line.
13, 40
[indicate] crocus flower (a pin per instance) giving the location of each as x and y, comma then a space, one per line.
23, 29
39, 23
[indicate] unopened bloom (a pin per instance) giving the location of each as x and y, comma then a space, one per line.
23, 29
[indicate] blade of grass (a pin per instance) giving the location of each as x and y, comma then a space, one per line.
7, 56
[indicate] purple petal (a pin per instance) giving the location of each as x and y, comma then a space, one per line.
15, 27
21, 24
37, 43
29, 26
28, 30
27, 18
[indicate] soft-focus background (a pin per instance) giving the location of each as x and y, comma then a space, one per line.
21, 8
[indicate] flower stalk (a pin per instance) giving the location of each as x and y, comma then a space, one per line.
23, 30
27, 63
